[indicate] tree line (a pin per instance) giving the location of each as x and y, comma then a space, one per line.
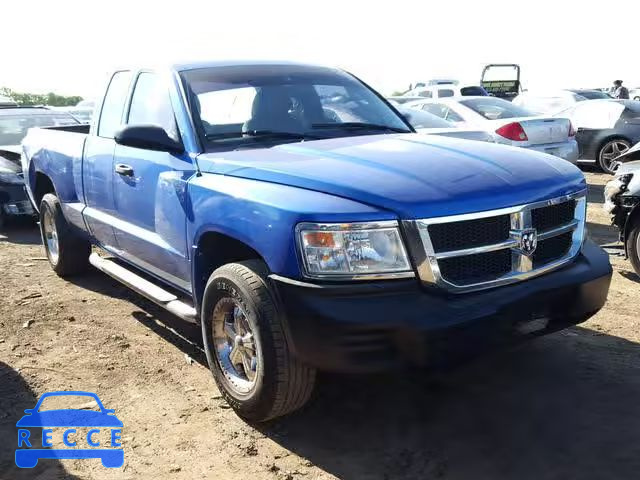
51, 99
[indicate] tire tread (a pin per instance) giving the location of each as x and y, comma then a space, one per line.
295, 380
73, 251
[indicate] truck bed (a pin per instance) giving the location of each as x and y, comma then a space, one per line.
57, 152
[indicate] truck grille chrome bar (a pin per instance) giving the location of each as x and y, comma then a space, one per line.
477, 251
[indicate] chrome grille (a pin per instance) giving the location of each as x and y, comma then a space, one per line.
489, 249
553, 216
469, 233
552, 249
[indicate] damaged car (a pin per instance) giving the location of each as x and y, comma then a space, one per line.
622, 201
15, 121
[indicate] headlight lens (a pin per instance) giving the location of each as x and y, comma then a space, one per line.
11, 178
353, 250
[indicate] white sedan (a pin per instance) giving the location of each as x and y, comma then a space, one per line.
508, 123
429, 124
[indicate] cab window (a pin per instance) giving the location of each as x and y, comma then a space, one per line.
151, 104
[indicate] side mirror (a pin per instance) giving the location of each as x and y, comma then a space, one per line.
149, 137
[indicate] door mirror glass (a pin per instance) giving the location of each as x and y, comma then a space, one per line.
149, 137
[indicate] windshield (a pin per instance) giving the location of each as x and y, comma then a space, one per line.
13, 128
422, 119
240, 106
495, 108
592, 94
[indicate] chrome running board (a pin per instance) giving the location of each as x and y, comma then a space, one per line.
157, 295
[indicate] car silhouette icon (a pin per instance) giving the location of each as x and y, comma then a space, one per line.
70, 418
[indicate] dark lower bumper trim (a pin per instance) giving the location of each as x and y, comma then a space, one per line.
372, 327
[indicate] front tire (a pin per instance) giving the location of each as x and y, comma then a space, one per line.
67, 252
633, 245
609, 152
246, 347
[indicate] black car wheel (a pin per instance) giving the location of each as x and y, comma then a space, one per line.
633, 245
608, 153
67, 252
246, 346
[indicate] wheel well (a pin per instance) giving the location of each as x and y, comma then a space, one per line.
43, 185
214, 250
632, 220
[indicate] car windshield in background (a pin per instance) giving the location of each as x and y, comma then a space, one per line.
495, 108
239, 106
591, 94
474, 91
422, 119
14, 126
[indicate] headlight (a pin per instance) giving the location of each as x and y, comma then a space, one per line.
11, 178
353, 250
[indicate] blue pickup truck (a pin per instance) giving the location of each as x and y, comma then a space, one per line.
297, 216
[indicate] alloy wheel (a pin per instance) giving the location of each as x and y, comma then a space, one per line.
610, 152
235, 345
50, 234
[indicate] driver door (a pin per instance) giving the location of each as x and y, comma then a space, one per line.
150, 190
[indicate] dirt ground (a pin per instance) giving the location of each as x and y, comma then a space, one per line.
566, 406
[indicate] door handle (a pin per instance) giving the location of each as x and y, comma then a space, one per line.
125, 170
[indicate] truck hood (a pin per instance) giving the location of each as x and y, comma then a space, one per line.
413, 175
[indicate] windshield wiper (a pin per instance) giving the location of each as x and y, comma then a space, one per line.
360, 126
263, 134
279, 134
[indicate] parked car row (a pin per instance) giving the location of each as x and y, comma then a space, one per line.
507, 123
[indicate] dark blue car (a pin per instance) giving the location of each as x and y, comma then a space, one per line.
28, 457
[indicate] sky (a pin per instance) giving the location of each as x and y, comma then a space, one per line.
69, 46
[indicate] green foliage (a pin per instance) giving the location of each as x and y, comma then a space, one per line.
51, 99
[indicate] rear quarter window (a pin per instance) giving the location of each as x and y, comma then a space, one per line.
113, 104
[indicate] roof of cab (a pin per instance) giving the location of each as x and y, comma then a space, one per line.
183, 66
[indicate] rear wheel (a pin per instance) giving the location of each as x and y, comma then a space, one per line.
633, 245
608, 153
246, 348
68, 253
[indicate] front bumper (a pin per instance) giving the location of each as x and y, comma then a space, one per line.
381, 325
14, 200
565, 150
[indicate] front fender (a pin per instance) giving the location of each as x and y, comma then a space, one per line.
263, 215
